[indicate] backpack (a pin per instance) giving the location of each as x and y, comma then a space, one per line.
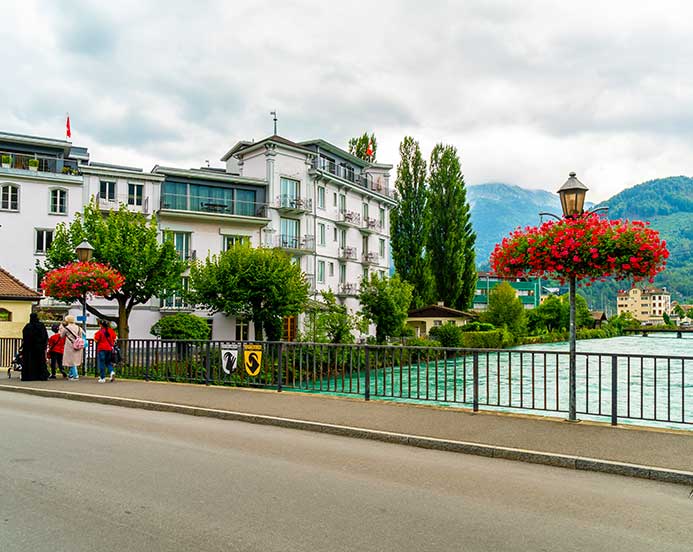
78, 344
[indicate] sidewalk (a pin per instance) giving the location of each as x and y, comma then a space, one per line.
641, 452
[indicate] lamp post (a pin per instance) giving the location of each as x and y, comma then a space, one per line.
572, 195
84, 252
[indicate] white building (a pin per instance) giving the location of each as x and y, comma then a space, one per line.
328, 209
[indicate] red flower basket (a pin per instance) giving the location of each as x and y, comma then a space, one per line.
588, 247
76, 280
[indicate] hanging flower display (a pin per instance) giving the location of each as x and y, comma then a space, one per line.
75, 280
587, 246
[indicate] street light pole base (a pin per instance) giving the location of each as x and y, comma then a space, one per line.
572, 421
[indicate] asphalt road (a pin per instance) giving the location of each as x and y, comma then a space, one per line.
87, 477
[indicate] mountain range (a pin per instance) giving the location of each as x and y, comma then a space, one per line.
498, 208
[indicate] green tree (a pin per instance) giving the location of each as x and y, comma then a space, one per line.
385, 302
127, 242
261, 284
410, 222
554, 314
689, 313
332, 320
505, 309
359, 146
679, 311
451, 238
181, 326
448, 334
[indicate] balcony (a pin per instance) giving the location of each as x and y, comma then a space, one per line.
296, 244
348, 218
133, 203
347, 253
287, 203
370, 258
214, 207
38, 166
344, 172
370, 225
347, 290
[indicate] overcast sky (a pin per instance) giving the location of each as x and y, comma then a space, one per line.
526, 90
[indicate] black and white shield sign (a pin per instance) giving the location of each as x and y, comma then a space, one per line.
229, 359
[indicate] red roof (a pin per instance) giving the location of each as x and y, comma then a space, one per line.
11, 288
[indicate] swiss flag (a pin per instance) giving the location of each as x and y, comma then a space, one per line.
68, 132
369, 149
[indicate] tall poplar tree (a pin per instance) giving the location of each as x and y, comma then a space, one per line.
410, 221
451, 237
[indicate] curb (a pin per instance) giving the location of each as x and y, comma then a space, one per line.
477, 449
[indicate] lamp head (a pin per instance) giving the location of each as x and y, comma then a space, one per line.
572, 195
84, 251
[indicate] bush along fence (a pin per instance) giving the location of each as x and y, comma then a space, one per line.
645, 388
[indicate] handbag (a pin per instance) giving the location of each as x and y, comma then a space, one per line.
115, 354
77, 342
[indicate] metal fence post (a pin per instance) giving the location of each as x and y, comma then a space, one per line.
280, 365
146, 360
208, 364
367, 383
475, 377
614, 390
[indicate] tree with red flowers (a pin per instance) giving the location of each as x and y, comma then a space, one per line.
586, 247
78, 280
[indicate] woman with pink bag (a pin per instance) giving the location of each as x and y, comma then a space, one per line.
74, 345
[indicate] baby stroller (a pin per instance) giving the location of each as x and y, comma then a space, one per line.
16, 363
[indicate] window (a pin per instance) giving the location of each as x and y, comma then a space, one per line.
321, 197
289, 327
330, 267
58, 204
342, 203
290, 190
135, 194
175, 300
107, 190
321, 233
381, 248
5, 315
335, 235
334, 199
181, 241
44, 238
233, 239
245, 203
241, 329
381, 273
364, 212
342, 239
342, 273
321, 272
365, 273
290, 231
9, 198
364, 245
381, 217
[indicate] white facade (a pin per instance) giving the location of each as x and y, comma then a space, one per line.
328, 210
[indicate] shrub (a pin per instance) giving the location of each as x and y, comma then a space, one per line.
181, 326
477, 327
495, 339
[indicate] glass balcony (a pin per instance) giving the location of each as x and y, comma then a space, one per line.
36, 163
212, 205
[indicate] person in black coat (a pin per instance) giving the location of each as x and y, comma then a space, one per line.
34, 344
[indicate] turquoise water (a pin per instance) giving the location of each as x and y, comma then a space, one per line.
534, 379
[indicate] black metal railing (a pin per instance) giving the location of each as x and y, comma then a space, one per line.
653, 389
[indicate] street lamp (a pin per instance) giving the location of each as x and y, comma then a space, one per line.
84, 252
572, 195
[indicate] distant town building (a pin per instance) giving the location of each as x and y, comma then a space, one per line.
526, 289
647, 305
328, 209
423, 319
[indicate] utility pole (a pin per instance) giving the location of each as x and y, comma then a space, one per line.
274, 114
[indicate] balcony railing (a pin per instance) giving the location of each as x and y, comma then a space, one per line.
377, 184
348, 289
25, 161
133, 203
291, 203
347, 253
295, 243
370, 225
370, 258
212, 205
349, 217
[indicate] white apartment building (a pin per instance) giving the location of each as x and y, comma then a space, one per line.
646, 305
328, 209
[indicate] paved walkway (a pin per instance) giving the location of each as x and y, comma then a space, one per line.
667, 449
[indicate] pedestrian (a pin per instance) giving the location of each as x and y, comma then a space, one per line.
105, 340
72, 356
56, 346
34, 344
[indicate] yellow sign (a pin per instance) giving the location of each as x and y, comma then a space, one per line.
252, 358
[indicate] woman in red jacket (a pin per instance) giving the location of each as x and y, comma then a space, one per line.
56, 348
105, 339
